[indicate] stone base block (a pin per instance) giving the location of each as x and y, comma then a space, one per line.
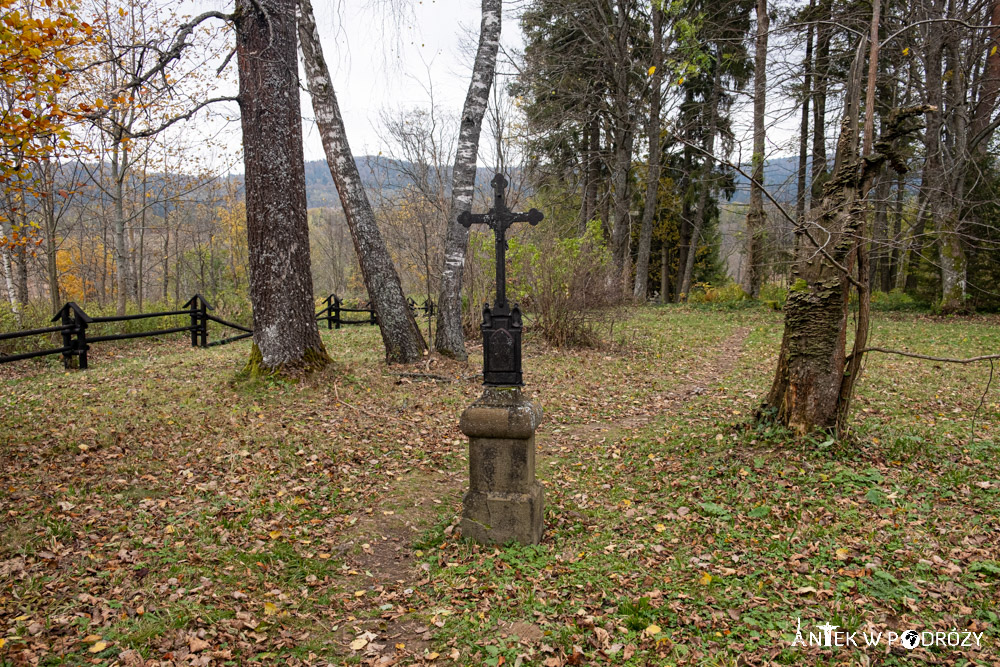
498, 517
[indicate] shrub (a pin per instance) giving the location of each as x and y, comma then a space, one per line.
565, 284
896, 300
773, 296
730, 293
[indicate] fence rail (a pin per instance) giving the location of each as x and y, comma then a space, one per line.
76, 343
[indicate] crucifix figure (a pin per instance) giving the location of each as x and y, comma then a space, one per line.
502, 324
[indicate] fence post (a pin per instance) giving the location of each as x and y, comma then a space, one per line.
329, 312
67, 336
336, 307
193, 303
371, 315
203, 328
75, 337
81, 341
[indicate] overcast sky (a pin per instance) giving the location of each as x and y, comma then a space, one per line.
380, 61
377, 65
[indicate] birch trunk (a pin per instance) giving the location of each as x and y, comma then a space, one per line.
8, 275
450, 340
285, 337
21, 274
756, 217
400, 334
121, 252
653, 173
806, 388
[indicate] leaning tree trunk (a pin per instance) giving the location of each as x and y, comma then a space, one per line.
810, 388
450, 341
286, 338
756, 217
400, 334
806, 388
653, 176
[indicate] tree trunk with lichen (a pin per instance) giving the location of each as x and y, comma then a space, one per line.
806, 386
811, 387
400, 334
286, 338
756, 216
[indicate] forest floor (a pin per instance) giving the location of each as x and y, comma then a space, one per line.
157, 512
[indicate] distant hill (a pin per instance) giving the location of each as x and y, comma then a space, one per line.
376, 171
780, 178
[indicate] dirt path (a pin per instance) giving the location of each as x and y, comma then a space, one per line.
380, 548
696, 382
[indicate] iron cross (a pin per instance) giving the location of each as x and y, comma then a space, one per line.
499, 219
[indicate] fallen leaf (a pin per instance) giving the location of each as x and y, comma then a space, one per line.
197, 645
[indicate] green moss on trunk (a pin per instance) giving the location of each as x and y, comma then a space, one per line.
312, 360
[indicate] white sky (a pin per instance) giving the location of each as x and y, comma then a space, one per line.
376, 67
379, 62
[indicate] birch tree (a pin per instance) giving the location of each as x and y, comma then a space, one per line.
285, 337
400, 334
450, 340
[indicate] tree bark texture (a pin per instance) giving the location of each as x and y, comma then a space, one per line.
708, 181
450, 340
653, 172
756, 217
806, 388
400, 333
285, 337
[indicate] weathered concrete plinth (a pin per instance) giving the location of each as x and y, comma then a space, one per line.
504, 501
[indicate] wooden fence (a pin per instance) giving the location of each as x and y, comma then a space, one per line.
73, 324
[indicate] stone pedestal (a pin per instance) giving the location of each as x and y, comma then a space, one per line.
504, 501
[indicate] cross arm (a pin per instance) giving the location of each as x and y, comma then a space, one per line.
534, 216
467, 219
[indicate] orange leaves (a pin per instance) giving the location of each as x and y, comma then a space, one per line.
36, 47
